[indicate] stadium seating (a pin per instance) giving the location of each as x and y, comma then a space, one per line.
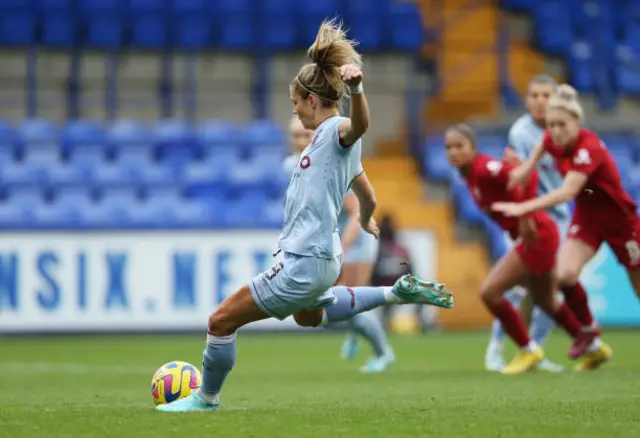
624, 146
600, 39
127, 174
244, 25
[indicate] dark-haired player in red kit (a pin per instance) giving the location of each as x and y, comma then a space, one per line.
604, 212
530, 263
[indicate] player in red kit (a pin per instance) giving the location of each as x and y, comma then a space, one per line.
531, 262
604, 212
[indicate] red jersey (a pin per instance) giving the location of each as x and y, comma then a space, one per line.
487, 180
602, 200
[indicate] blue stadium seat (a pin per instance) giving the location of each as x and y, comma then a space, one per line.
312, 13
628, 78
244, 212
174, 140
65, 174
278, 30
224, 7
82, 196
466, 206
112, 175
123, 196
436, 164
406, 28
54, 5
235, 31
190, 6
581, 67
83, 134
193, 31
264, 134
519, 5
104, 29
56, 216
553, 27
87, 159
129, 134
272, 215
198, 214
156, 175
23, 173
13, 216
219, 134
59, 29
247, 176
142, 7
27, 196
102, 6
149, 31
204, 179
134, 158
9, 145
17, 28
105, 215
39, 132
16, 5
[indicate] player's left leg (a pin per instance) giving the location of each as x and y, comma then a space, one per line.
219, 355
541, 326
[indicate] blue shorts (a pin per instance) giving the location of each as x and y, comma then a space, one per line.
297, 283
363, 250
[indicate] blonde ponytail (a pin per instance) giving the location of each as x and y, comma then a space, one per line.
330, 51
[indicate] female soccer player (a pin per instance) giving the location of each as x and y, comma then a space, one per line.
524, 136
360, 250
530, 262
301, 284
604, 212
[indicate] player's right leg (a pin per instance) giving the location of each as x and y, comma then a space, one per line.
494, 355
508, 272
219, 355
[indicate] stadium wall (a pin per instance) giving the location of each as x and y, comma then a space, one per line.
139, 281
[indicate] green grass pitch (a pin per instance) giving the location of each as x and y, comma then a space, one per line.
295, 386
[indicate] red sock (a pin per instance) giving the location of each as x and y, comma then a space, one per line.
576, 298
511, 322
567, 320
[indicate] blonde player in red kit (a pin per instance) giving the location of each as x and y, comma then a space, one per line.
531, 262
604, 212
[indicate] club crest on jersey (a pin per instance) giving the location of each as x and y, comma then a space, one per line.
583, 157
494, 167
305, 162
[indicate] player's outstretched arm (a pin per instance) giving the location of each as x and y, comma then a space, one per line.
351, 130
364, 191
521, 174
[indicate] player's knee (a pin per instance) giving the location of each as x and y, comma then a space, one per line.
220, 323
568, 276
490, 295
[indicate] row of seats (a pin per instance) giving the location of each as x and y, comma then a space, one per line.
237, 24
163, 137
624, 147
599, 38
150, 213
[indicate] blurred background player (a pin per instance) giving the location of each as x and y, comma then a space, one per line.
525, 134
531, 261
604, 211
359, 252
301, 284
394, 261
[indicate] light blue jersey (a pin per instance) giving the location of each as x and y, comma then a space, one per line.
524, 136
316, 193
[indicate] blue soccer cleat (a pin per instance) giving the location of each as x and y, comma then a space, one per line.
412, 289
550, 367
350, 347
378, 364
193, 403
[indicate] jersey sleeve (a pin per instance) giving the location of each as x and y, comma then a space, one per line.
587, 157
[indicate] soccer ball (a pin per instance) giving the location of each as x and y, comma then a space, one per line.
173, 381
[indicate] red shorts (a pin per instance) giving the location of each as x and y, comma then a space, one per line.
541, 256
623, 239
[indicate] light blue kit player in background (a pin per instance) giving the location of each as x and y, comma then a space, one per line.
360, 250
525, 134
302, 283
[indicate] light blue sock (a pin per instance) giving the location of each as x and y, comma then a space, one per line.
218, 359
541, 326
371, 329
353, 300
498, 334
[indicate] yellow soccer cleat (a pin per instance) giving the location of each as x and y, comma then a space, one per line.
591, 361
524, 361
